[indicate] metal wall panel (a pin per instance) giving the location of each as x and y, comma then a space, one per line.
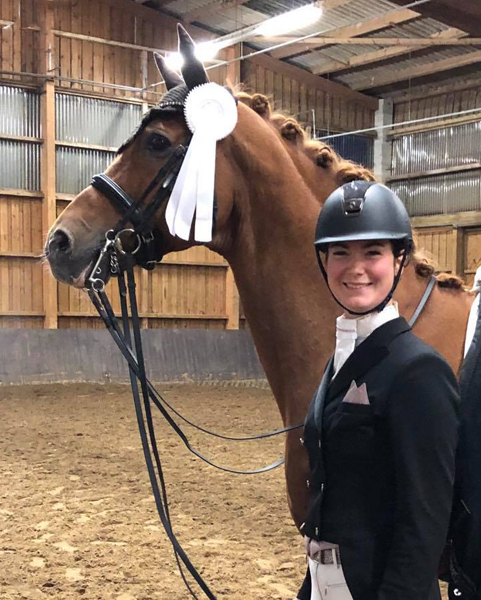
437, 149
358, 148
75, 167
19, 165
93, 121
19, 112
440, 194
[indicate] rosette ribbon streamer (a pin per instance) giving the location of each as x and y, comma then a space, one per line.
211, 115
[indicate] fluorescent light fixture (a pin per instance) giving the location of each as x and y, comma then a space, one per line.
205, 53
290, 21
174, 60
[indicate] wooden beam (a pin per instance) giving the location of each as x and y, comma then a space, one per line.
210, 7
469, 218
231, 301
421, 71
445, 171
434, 124
363, 28
49, 206
458, 251
463, 14
375, 41
99, 40
233, 74
427, 91
380, 55
313, 81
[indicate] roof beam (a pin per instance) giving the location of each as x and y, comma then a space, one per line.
421, 71
392, 18
202, 11
380, 55
463, 14
405, 42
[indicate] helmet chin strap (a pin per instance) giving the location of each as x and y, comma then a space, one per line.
382, 305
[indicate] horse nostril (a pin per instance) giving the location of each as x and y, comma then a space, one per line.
59, 243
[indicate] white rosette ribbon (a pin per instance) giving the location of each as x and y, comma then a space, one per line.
211, 114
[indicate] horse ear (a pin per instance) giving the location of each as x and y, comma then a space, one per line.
171, 78
192, 70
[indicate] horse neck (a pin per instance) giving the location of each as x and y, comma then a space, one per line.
288, 308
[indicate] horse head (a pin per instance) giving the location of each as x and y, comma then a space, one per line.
76, 237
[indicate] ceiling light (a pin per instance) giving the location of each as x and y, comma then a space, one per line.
174, 60
207, 51
290, 21
204, 52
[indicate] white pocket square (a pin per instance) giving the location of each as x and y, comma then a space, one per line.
357, 395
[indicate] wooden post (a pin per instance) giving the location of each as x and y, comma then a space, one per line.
231, 301
144, 274
458, 251
233, 74
49, 209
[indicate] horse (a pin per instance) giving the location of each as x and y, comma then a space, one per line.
270, 186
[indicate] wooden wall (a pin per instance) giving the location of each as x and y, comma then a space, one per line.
74, 46
419, 106
307, 97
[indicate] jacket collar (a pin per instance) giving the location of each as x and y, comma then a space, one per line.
369, 352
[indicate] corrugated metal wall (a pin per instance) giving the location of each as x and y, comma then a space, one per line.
437, 149
358, 148
19, 159
93, 121
19, 112
81, 120
420, 153
440, 194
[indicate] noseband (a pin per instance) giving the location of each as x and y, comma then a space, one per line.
148, 251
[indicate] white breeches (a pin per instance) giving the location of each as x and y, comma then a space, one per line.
327, 581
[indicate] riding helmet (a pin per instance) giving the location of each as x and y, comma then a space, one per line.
363, 210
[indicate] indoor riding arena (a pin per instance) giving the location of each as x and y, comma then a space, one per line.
228, 327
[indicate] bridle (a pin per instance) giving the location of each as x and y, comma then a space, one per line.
118, 257
148, 249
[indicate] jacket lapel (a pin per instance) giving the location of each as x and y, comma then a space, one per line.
320, 397
370, 352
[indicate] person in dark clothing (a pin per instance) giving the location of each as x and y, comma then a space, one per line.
381, 431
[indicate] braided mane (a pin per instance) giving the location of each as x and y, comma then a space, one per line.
325, 157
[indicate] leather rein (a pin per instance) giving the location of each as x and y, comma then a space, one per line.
118, 258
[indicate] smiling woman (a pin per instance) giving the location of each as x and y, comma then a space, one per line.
384, 417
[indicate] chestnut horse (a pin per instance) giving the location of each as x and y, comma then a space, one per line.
270, 186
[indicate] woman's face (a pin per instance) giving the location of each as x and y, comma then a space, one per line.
361, 273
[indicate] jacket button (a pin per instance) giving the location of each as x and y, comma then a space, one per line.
307, 483
316, 531
302, 441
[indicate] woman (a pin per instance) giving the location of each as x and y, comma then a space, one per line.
381, 431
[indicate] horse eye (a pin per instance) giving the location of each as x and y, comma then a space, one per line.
158, 143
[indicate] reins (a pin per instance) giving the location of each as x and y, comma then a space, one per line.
116, 259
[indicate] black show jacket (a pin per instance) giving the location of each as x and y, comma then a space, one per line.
382, 474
